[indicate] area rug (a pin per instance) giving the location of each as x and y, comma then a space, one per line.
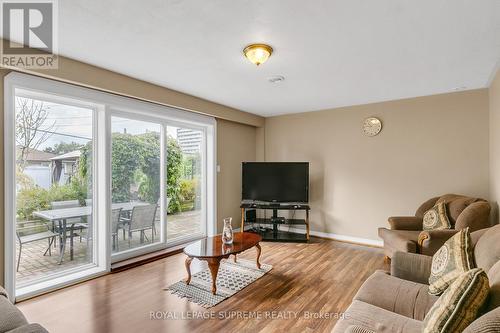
232, 278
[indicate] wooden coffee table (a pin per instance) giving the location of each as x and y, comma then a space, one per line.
212, 250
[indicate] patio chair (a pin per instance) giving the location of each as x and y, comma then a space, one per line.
77, 221
141, 219
33, 231
115, 225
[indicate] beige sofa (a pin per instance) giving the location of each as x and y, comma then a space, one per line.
399, 301
406, 232
12, 320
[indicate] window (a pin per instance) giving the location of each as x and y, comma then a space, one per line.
94, 178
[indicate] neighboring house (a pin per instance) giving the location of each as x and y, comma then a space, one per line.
64, 167
46, 168
37, 157
38, 166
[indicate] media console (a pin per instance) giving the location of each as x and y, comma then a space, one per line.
275, 233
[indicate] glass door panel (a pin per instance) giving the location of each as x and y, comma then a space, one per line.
185, 182
53, 188
135, 184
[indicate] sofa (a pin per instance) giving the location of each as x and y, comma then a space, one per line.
12, 320
406, 232
398, 301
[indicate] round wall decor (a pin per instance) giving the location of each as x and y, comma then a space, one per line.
372, 126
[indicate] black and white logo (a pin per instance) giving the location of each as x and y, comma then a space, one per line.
29, 33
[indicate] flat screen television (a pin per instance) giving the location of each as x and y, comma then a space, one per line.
275, 181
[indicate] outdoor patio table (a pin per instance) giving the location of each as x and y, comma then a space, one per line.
62, 215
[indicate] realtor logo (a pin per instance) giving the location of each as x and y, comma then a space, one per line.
29, 34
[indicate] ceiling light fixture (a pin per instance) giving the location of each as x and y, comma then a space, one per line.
258, 53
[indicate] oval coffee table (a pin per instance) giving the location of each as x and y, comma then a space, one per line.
212, 250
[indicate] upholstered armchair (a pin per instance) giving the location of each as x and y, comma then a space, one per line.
406, 233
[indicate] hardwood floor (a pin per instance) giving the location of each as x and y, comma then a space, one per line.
319, 278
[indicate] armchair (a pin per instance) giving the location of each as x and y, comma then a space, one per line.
399, 301
406, 233
12, 320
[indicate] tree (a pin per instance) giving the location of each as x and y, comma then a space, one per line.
174, 171
63, 148
125, 158
135, 160
149, 184
32, 127
149, 166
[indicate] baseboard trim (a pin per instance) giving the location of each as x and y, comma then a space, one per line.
336, 237
342, 238
349, 239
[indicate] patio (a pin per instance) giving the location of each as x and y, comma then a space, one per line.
34, 265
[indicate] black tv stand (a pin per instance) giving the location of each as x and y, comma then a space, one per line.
275, 234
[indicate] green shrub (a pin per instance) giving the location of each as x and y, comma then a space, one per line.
30, 200
188, 190
36, 198
70, 191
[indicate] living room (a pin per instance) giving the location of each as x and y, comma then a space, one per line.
262, 166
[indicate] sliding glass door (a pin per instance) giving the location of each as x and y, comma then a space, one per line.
150, 210
185, 182
53, 186
93, 178
136, 186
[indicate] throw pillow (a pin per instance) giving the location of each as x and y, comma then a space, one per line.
452, 259
436, 218
459, 305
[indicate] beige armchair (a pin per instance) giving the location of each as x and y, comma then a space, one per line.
12, 320
406, 232
399, 301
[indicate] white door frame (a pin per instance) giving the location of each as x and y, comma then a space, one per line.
102, 103
60, 93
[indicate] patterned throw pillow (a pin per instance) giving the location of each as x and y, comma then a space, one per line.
452, 259
436, 218
459, 305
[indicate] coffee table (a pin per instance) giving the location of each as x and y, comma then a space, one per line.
212, 250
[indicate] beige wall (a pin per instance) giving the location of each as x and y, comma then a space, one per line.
260, 153
494, 99
235, 143
428, 146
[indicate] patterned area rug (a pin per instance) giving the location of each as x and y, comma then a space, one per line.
232, 278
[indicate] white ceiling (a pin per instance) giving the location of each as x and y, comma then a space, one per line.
332, 53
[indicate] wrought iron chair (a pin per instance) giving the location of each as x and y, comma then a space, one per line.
32, 231
141, 219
